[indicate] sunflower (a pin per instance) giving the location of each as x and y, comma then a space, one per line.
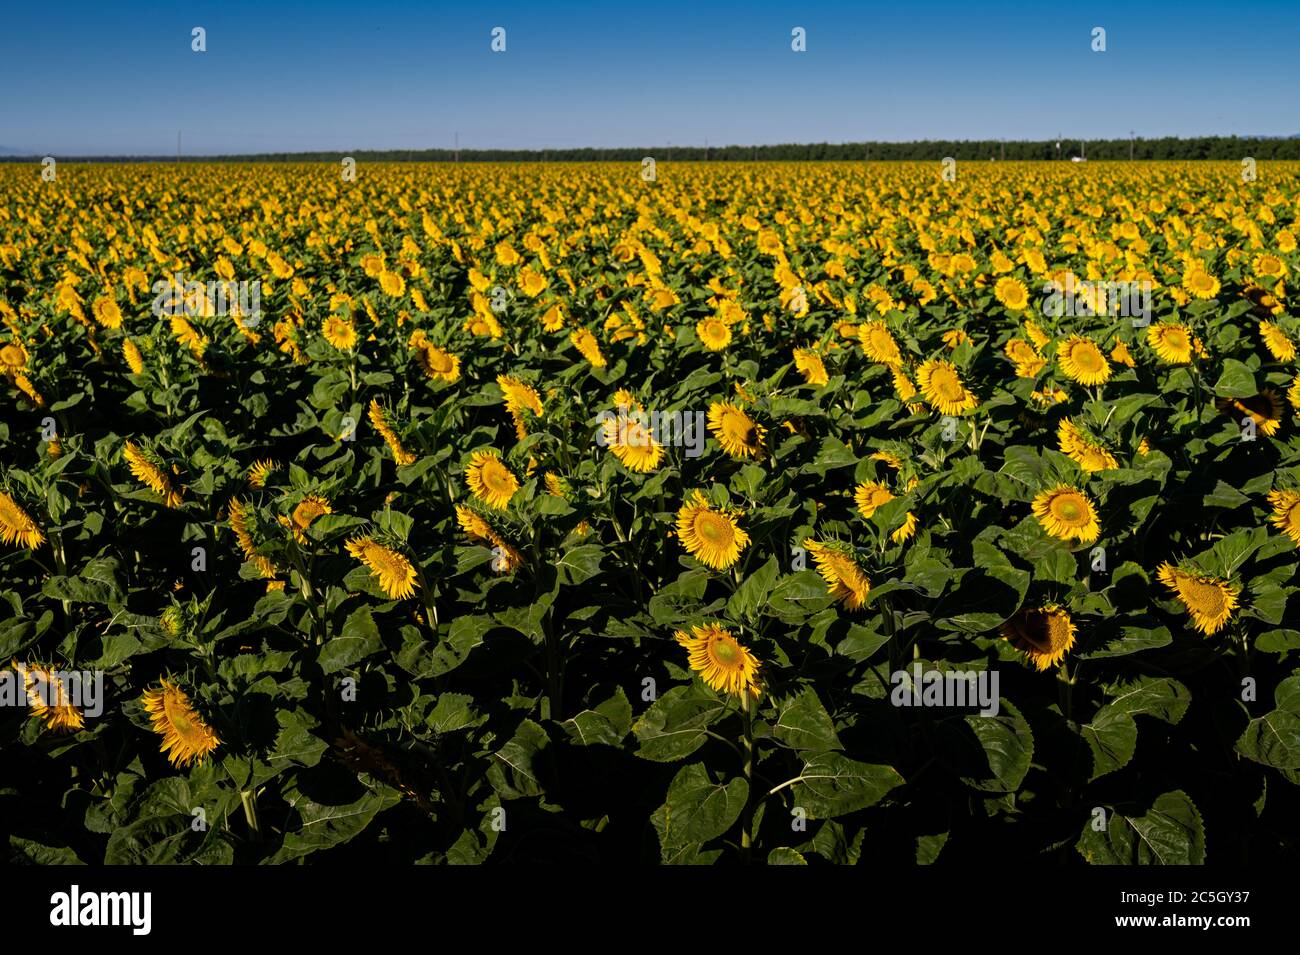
186, 738
1209, 600
955, 337
340, 333
519, 397
878, 344
711, 535
1286, 513
259, 472
1029, 363
1200, 283
243, 536
49, 698
490, 480
13, 358
1120, 355
1086, 453
532, 282
1265, 409
1172, 341
906, 530
845, 579
473, 524
720, 660
1036, 335
1049, 396
107, 313
632, 442
392, 284
438, 363
556, 486
396, 574
888, 458
16, 526
1082, 361
1270, 265
150, 474
943, 388
1011, 292
870, 496
1065, 512
380, 421
586, 343
134, 360
1276, 341
476, 527
1045, 636
624, 400
739, 434
713, 333
308, 509
903, 386
811, 366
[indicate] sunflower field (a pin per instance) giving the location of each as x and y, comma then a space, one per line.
548, 512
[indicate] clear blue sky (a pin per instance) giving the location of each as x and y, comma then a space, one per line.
111, 77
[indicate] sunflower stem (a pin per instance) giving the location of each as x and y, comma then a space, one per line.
249, 800
1066, 692
747, 817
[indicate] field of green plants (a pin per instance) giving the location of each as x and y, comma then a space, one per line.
763, 512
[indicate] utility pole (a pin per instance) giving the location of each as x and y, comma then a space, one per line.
1131, 136
178, 145
458, 146
706, 149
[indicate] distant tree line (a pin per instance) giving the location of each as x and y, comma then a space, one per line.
1169, 147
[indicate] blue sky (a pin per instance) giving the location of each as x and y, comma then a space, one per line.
110, 77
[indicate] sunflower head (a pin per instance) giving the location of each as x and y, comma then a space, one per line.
811, 366
1286, 513
16, 526
306, 511
845, 579
720, 660
489, 480
943, 388
713, 333
1082, 361
393, 570
631, 440
1264, 409
259, 472
587, 345
186, 738
50, 698
1172, 342
148, 472
739, 434
340, 333
1066, 513
1045, 635
1209, 600
711, 535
